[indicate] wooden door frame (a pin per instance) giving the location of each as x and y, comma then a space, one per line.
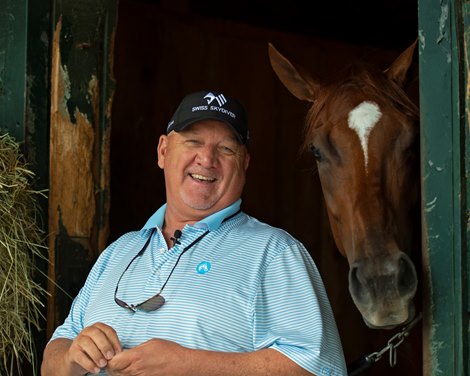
444, 143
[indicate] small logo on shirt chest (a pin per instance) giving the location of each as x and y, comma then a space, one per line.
203, 267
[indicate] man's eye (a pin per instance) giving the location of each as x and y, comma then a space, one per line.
227, 150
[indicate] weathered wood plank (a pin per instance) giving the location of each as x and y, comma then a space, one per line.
81, 96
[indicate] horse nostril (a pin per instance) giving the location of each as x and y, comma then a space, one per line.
407, 279
356, 287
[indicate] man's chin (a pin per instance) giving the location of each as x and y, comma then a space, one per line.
201, 204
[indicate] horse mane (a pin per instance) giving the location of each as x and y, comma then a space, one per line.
364, 77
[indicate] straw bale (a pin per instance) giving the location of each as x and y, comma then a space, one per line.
21, 242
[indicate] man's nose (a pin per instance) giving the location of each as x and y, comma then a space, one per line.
207, 156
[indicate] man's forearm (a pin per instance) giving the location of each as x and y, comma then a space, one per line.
55, 360
262, 363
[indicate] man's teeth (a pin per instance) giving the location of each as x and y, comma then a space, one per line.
201, 177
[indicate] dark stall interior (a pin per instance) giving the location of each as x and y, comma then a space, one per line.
166, 49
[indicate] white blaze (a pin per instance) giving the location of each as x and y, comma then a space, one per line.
362, 119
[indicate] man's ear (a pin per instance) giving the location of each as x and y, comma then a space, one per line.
247, 160
161, 150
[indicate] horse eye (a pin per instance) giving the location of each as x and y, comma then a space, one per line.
315, 151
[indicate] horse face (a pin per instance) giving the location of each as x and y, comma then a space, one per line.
365, 144
367, 164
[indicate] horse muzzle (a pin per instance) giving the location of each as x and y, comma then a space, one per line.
383, 289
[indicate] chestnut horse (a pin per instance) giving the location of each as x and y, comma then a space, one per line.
363, 131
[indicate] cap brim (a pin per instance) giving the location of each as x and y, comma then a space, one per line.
182, 126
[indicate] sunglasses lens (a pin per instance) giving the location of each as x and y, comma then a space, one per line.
152, 304
121, 303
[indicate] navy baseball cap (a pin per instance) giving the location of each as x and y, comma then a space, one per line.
204, 105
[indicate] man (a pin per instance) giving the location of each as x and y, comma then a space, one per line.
203, 288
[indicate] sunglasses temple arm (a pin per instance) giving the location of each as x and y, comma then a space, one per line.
181, 254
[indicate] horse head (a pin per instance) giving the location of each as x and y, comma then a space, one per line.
363, 131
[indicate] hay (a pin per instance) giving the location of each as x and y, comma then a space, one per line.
21, 241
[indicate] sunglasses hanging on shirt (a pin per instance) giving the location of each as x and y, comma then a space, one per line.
157, 301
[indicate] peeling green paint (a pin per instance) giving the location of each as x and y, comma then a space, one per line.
443, 22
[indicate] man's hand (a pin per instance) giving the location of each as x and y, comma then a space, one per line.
94, 347
159, 357
154, 357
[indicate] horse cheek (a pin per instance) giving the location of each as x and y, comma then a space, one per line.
331, 192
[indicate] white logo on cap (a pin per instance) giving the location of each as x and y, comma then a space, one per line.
219, 98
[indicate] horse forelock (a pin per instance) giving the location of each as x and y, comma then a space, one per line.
360, 78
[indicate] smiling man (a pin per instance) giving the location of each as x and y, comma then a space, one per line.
202, 288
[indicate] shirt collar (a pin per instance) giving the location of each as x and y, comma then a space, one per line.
211, 222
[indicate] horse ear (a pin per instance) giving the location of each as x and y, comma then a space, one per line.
398, 70
298, 83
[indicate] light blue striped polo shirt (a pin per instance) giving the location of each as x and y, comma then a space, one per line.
245, 286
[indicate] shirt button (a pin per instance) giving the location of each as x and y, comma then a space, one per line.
162, 250
158, 272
